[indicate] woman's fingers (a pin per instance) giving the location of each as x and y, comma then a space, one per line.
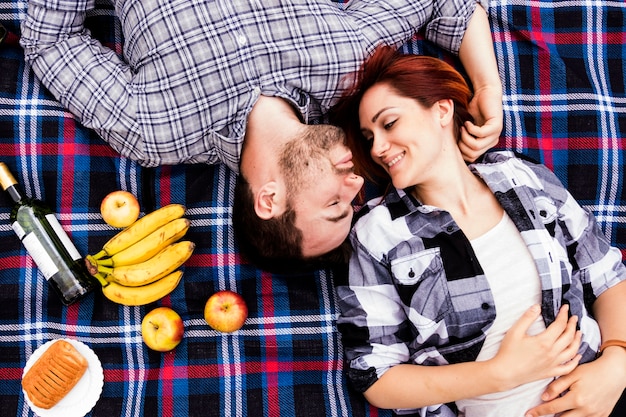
562, 340
521, 326
476, 140
562, 331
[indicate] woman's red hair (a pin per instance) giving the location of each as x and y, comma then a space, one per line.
422, 78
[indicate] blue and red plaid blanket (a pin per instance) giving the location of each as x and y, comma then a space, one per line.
563, 69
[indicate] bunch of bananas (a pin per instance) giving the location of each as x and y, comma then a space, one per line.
140, 264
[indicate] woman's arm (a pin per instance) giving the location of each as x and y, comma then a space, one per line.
478, 58
594, 388
521, 359
610, 311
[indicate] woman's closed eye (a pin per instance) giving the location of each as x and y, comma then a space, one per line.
389, 125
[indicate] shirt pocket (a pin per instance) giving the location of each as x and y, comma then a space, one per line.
421, 283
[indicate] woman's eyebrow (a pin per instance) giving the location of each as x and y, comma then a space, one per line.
377, 115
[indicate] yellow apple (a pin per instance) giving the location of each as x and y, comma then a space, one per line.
162, 329
119, 209
225, 311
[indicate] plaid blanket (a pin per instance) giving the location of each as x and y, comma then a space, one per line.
562, 65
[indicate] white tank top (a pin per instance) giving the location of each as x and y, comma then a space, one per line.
514, 282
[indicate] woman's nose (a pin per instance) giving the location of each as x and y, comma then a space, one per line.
379, 146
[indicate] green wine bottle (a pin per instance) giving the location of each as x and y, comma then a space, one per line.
47, 243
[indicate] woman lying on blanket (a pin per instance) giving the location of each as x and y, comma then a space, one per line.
474, 268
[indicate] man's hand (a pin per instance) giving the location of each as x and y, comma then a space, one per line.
591, 390
484, 133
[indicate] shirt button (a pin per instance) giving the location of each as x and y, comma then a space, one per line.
302, 100
242, 40
450, 229
256, 90
485, 306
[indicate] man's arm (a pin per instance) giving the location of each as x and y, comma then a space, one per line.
88, 79
520, 359
478, 58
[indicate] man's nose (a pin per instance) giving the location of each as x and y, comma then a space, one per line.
354, 182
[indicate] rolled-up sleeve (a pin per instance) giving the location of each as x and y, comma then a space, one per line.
373, 322
393, 22
449, 22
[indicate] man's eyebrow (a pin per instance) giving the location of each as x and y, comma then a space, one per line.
338, 218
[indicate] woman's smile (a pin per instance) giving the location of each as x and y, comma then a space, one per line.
396, 159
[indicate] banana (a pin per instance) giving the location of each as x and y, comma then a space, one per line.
149, 246
140, 229
137, 296
161, 264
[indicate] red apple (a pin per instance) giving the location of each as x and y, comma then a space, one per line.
119, 209
225, 311
162, 329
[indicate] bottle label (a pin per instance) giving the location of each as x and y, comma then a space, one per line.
18, 230
65, 239
36, 250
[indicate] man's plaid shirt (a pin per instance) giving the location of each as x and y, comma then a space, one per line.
193, 69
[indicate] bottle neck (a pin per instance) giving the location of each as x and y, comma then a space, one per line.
15, 193
9, 184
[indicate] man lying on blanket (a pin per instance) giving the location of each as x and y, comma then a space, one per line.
247, 84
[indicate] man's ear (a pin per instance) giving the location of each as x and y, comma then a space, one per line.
267, 201
445, 108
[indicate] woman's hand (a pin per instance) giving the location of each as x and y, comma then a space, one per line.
484, 133
479, 60
591, 390
523, 358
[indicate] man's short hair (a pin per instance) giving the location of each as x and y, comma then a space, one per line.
275, 245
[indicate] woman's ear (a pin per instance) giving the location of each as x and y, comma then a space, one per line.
267, 201
445, 107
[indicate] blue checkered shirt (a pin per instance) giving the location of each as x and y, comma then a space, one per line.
417, 294
193, 69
